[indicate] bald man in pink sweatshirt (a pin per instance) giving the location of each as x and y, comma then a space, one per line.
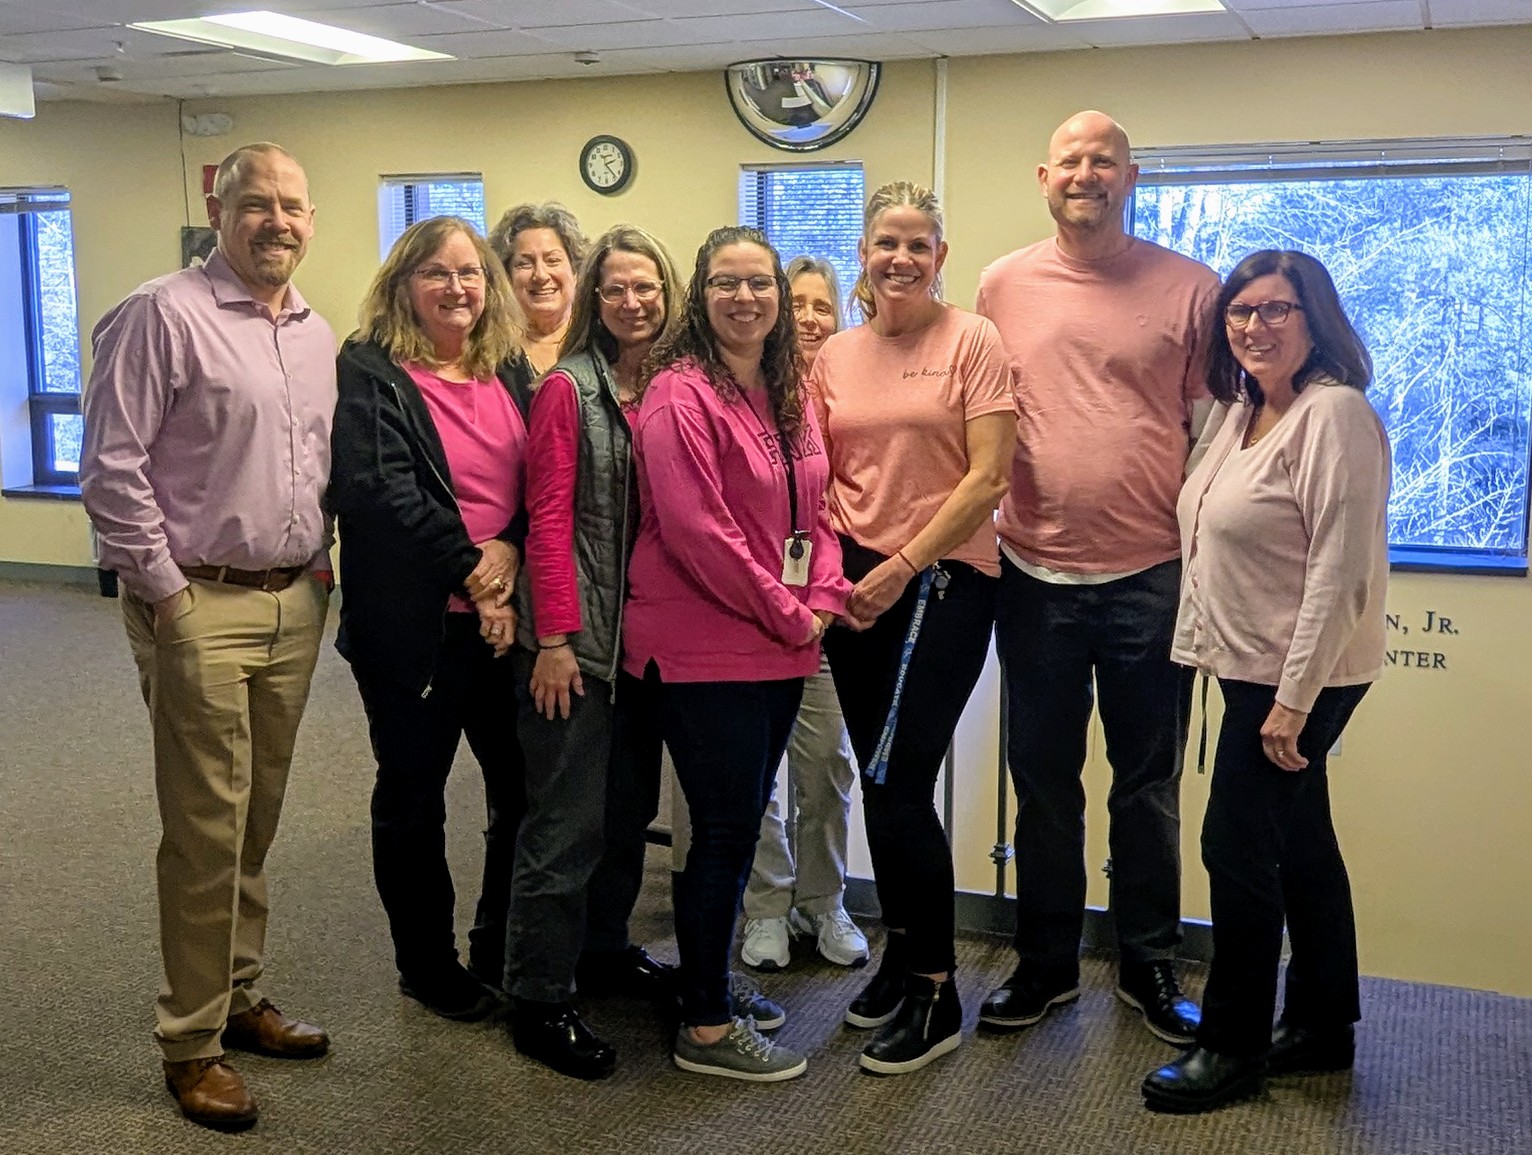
1105, 333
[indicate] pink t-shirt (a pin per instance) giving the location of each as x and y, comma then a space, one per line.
1286, 548
485, 440
706, 599
1108, 358
894, 411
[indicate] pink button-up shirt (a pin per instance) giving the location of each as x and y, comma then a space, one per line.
207, 430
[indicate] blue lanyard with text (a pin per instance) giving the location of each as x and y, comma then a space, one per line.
877, 769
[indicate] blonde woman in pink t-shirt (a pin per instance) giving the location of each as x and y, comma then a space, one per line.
916, 408
1284, 530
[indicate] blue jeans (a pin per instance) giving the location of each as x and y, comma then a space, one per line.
726, 740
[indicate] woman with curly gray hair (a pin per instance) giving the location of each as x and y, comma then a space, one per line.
543, 250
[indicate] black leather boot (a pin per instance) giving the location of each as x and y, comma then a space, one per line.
880, 998
928, 1025
1201, 1080
555, 1035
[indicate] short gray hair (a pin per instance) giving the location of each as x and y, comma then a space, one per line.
548, 215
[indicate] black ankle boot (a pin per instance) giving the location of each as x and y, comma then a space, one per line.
555, 1035
880, 998
928, 1025
1201, 1080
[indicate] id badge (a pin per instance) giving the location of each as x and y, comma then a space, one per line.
795, 561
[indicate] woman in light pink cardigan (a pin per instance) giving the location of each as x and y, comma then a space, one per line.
1284, 539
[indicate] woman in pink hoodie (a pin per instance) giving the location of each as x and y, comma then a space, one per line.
735, 575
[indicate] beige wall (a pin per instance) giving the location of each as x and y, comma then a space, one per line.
1432, 792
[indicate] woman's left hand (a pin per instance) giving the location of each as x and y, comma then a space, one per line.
1279, 736
497, 624
879, 590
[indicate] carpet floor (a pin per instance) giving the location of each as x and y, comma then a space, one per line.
1440, 1071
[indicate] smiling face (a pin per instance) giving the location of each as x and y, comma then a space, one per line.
1272, 354
742, 320
813, 314
543, 279
448, 307
264, 223
903, 255
634, 319
1089, 175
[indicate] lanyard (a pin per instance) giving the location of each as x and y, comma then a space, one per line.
796, 549
877, 769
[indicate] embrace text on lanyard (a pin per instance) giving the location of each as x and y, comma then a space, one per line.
797, 548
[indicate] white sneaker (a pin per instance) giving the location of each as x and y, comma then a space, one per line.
766, 944
839, 939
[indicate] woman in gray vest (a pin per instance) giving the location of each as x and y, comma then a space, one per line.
583, 516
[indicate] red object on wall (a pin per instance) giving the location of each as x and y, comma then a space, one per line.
209, 171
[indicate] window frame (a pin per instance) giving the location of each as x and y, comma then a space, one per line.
1368, 159
850, 314
42, 404
406, 182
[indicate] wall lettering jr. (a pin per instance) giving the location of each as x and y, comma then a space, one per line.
1433, 629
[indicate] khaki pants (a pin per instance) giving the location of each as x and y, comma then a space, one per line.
226, 681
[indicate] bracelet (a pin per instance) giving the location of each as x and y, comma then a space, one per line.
555, 646
899, 553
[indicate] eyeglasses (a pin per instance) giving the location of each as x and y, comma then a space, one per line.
436, 275
726, 286
616, 293
1270, 313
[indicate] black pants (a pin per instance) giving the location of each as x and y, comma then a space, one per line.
727, 740
1269, 847
911, 858
414, 740
560, 840
632, 802
1052, 639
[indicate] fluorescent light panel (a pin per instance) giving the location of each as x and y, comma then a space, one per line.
1064, 11
273, 34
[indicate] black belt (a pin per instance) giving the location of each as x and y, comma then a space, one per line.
271, 580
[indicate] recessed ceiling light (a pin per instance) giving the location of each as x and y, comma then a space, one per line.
273, 34
1065, 10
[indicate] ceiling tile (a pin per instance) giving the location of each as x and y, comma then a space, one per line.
940, 15
1327, 19
489, 42
1190, 28
1458, 13
676, 9
638, 34
18, 20
540, 13
990, 41
884, 46
766, 25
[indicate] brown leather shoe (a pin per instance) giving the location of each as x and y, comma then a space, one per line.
267, 1031
210, 1092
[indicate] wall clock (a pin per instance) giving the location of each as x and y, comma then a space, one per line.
606, 164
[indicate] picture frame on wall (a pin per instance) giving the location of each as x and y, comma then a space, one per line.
197, 244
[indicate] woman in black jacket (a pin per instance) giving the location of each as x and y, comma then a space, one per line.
426, 484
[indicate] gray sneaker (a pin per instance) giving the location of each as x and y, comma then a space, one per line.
744, 1053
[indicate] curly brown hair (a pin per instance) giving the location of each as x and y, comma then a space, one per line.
693, 338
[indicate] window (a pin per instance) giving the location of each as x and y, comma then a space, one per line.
813, 210
1429, 244
41, 333
406, 198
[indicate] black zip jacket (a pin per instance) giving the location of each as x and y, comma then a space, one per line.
403, 547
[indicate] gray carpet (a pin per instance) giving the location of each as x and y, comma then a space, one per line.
1439, 1071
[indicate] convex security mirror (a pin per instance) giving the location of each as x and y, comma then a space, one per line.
801, 105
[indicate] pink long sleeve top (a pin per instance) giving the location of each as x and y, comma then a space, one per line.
1286, 548
706, 597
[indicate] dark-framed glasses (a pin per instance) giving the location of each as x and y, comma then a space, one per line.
437, 275
617, 292
1270, 313
727, 286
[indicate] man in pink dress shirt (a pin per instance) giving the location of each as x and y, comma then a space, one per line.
206, 455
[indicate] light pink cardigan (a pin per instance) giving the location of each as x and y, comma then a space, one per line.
1285, 547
